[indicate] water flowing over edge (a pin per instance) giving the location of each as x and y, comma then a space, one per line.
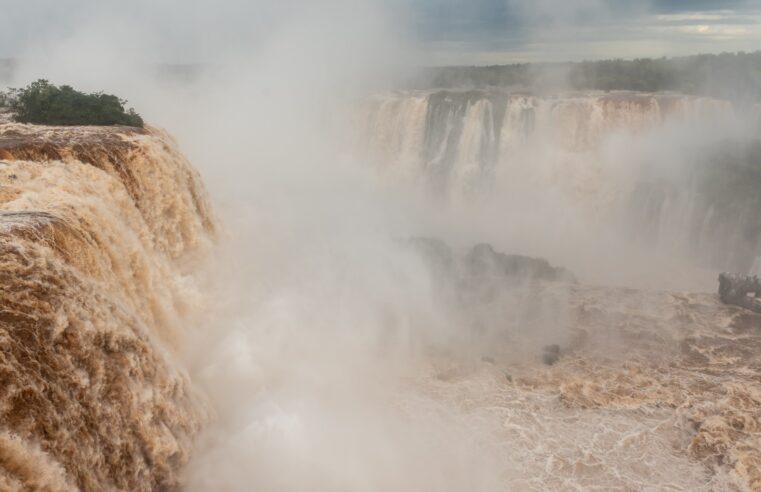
102, 229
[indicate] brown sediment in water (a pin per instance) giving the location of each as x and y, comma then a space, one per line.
684, 354
157, 177
653, 391
99, 230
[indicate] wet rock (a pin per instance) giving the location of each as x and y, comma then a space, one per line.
551, 354
740, 290
435, 251
483, 258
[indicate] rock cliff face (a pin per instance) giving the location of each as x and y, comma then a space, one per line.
100, 230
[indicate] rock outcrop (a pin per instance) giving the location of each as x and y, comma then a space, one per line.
740, 290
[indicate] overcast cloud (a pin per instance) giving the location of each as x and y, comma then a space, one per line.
505, 31
443, 31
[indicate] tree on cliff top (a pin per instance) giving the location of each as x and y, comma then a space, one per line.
43, 103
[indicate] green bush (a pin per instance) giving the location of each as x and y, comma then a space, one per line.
43, 103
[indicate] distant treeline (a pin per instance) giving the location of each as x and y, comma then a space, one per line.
735, 76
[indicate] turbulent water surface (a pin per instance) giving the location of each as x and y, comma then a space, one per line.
374, 361
99, 228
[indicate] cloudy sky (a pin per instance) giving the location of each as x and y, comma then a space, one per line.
443, 32
500, 31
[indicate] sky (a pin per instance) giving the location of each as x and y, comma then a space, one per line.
442, 32
481, 32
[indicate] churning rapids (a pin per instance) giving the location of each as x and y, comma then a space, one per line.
100, 227
401, 362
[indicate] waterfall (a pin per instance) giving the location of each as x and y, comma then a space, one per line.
100, 229
611, 153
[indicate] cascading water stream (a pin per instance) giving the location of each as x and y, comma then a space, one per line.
585, 147
100, 232
339, 353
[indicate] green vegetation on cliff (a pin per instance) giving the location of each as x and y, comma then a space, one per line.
43, 103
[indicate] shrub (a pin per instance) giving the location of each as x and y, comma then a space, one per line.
43, 103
